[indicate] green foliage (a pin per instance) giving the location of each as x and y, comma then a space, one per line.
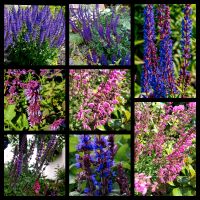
60, 174
26, 183
32, 53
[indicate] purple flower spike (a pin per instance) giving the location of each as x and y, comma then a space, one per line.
184, 77
32, 95
56, 124
150, 57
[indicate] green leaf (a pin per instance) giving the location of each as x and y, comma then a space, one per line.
176, 192
122, 153
182, 179
72, 179
74, 193
128, 115
171, 183
9, 112
25, 121
187, 191
115, 123
137, 42
192, 171
73, 143
101, 128
75, 38
126, 165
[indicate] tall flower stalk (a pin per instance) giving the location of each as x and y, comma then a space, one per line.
184, 77
150, 52
96, 162
32, 95
157, 78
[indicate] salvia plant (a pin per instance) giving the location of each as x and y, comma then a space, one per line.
20, 166
95, 95
33, 101
108, 42
164, 142
96, 163
158, 79
44, 154
33, 35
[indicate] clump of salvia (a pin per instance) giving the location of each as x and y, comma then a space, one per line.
104, 39
96, 161
20, 159
33, 35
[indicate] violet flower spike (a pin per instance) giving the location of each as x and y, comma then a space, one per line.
32, 95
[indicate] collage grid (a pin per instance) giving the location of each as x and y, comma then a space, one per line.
37, 97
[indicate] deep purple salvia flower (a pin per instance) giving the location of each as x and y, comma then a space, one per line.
101, 31
96, 163
186, 31
40, 24
165, 72
88, 24
122, 180
33, 97
150, 50
20, 156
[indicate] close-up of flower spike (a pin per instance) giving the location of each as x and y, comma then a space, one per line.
33, 97
148, 78
158, 72
95, 164
184, 76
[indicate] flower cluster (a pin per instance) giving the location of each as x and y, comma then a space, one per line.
56, 124
89, 25
98, 104
21, 85
143, 183
96, 164
32, 96
175, 160
184, 77
36, 187
39, 23
122, 180
157, 79
170, 128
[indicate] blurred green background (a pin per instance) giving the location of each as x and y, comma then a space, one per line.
176, 14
